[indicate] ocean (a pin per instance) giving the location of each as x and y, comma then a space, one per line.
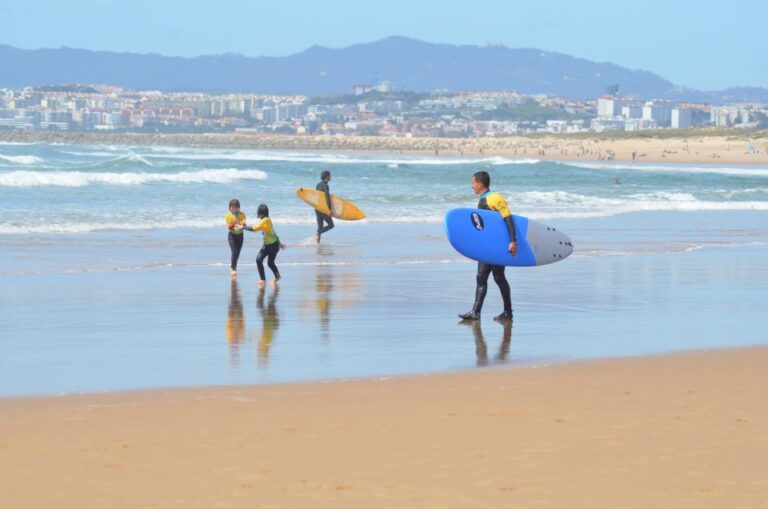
114, 266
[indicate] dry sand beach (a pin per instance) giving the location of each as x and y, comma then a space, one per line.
685, 430
701, 146
134, 373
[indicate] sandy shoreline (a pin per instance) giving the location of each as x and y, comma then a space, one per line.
703, 148
686, 430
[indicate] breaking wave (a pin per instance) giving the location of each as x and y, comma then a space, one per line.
329, 158
21, 159
81, 178
660, 168
125, 160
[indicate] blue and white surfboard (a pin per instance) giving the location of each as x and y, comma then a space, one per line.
482, 235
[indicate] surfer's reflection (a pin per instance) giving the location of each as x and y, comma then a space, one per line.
235, 325
324, 287
270, 322
332, 292
325, 250
481, 347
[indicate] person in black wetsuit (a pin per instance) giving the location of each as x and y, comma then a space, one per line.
481, 183
235, 219
324, 221
271, 247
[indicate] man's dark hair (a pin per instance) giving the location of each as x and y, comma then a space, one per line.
234, 201
263, 211
483, 178
325, 175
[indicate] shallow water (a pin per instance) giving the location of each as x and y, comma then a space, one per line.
381, 307
124, 284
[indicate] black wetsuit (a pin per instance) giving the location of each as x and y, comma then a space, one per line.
485, 269
270, 248
235, 245
324, 221
268, 251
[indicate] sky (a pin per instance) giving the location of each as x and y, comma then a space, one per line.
706, 45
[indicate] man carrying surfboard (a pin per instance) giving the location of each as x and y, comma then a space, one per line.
324, 221
481, 183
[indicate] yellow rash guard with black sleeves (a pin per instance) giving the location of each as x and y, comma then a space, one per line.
266, 229
494, 201
232, 219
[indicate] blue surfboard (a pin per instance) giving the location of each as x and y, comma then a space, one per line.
482, 235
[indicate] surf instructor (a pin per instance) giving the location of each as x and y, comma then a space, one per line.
324, 221
481, 183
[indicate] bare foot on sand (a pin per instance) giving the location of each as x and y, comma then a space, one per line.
261, 283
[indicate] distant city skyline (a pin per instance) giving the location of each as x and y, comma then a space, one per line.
684, 42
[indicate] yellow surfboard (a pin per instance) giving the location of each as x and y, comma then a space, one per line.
342, 209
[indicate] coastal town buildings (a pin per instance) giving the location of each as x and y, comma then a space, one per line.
378, 110
629, 114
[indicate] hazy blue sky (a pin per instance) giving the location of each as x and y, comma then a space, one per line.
700, 44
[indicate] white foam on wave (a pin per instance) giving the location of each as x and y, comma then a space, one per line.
80, 178
503, 161
26, 160
92, 153
196, 154
661, 168
663, 196
131, 224
540, 205
167, 149
131, 158
563, 205
329, 158
729, 194
535, 206
54, 227
96, 153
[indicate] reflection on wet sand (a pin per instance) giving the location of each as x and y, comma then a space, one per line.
324, 287
235, 324
331, 291
270, 322
325, 250
481, 347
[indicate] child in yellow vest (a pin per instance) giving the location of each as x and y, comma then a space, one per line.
270, 248
235, 221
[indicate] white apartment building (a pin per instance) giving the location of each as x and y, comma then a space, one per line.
659, 111
639, 124
681, 118
607, 124
609, 107
632, 111
724, 116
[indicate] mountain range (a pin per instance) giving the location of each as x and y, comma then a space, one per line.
408, 64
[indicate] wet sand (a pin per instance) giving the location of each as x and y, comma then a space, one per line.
694, 147
685, 430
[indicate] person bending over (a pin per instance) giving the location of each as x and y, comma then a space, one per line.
270, 248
